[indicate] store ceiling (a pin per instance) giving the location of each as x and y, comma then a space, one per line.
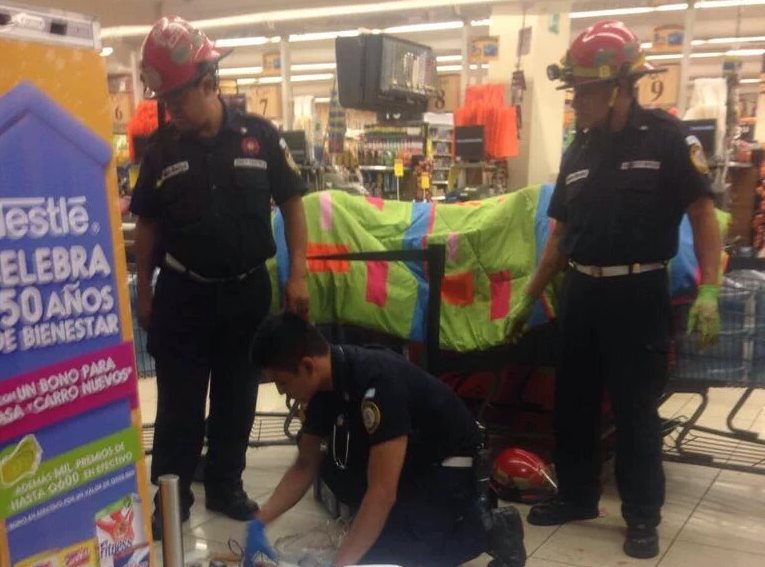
710, 23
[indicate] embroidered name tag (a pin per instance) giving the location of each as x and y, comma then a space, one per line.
172, 170
577, 175
642, 164
250, 163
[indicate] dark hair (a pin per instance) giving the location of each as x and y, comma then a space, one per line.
282, 340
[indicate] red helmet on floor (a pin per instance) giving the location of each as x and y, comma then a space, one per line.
606, 51
521, 476
174, 53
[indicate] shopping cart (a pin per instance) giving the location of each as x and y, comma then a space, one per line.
736, 361
269, 428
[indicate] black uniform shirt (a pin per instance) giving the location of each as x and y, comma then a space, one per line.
622, 195
378, 396
212, 197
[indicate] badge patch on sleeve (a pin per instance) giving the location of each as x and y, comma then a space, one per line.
288, 156
577, 175
370, 413
696, 152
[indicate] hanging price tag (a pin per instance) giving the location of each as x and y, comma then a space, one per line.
425, 181
398, 168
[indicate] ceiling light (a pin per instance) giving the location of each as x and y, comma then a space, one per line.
675, 56
269, 80
319, 36
434, 26
745, 52
448, 68
728, 3
480, 23
313, 77
334, 11
752, 81
679, 7
448, 58
313, 67
234, 71
245, 82
241, 41
646, 45
106, 51
322, 99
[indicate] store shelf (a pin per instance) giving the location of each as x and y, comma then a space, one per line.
740, 164
439, 182
441, 168
441, 140
442, 155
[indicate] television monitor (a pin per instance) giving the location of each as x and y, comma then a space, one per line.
380, 72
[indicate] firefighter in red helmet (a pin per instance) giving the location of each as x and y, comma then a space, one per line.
624, 185
203, 202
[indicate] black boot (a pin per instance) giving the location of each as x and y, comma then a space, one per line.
231, 502
642, 542
558, 512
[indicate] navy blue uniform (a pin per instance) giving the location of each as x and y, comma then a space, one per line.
622, 196
212, 200
378, 396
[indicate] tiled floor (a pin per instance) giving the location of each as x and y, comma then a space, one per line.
712, 518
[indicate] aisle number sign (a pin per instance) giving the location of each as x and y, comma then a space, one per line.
73, 486
660, 90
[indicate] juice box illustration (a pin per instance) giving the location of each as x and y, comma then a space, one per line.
119, 528
45, 559
80, 555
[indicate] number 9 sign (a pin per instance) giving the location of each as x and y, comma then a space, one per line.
661, 89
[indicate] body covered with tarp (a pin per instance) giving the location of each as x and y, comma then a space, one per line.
492, 248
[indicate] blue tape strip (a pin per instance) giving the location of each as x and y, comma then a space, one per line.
418, 229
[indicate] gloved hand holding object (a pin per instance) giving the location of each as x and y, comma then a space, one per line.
256, 544
704, 316
519, 316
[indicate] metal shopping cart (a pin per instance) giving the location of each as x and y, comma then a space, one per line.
736, 361
269, 428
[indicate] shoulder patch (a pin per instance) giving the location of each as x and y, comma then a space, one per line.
577, 175
370, 414
288, 156
697, 156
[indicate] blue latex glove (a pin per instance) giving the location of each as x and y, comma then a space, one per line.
256, 543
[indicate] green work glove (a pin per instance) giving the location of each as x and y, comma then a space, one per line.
704, 317
519, 316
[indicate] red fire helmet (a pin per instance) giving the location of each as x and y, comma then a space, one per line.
521, 476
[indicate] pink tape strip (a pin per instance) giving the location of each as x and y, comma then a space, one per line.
377, 283
376, 202
499, 289
63, 390
325, 210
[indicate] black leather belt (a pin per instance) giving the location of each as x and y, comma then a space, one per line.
175, 265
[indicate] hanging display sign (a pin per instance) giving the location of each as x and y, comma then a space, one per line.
668, 39
447, 97
265, 100
660, 90
484, 49
73, 486
272, 63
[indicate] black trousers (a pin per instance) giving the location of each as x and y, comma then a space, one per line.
615, 334
200, 335
435, 521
